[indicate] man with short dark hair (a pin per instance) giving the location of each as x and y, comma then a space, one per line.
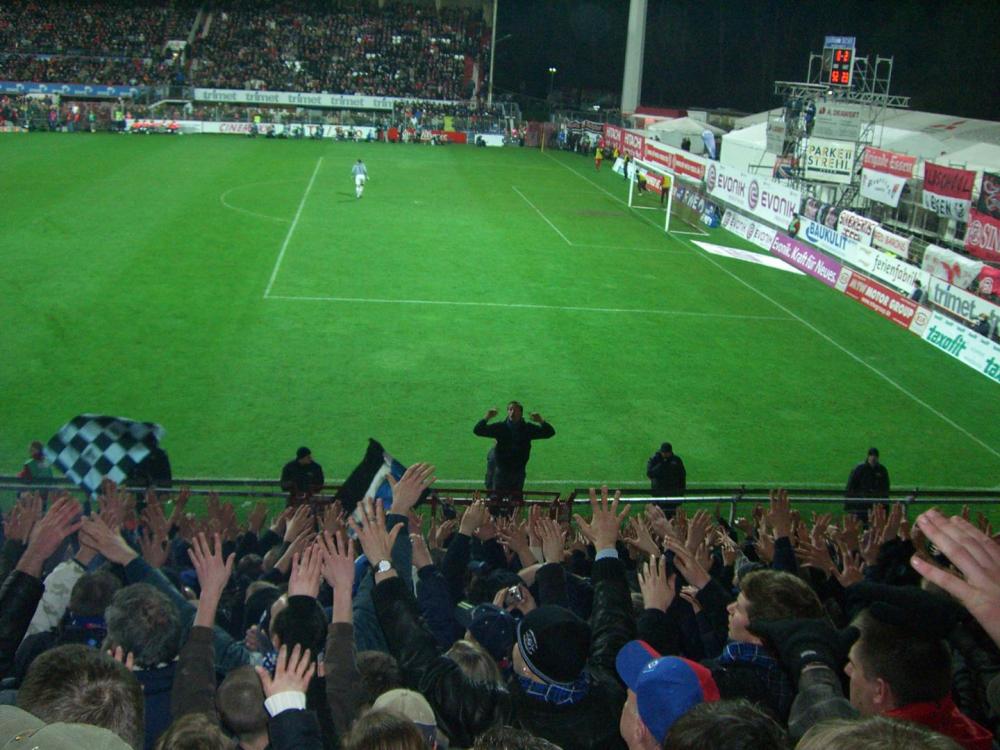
78, 684
240, 700
143, 622
732, 724
301, 476
901, 675
667, 475
868, 479
513, 446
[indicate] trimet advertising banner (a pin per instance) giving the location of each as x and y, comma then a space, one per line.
293, 99
829, 161
764, 198
967, 346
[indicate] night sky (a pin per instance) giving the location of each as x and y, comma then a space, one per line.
728, 53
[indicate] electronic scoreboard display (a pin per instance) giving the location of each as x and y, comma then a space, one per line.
838, 60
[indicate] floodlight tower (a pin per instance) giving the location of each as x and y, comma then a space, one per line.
634, 46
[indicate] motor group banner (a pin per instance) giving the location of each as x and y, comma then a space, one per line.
886, 302
859, 228
838, 121
954, 268
948, 191
764, 198
989, 195
982, 236
891, 242
829, 161
882, 187
968, 347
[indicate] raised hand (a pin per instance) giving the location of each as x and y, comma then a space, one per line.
688, 565
690, 595
441, 534
491, 412
257, 517
407, 491
213, 574
180, 503
977, 558
536, 417
474, 517
421, 554
697, 530
376, 541
656, 520
338, 559
48, 534
605, 521
553, 540
658, 589
641, 538
301, 521
292, 673
307, 572
779, 516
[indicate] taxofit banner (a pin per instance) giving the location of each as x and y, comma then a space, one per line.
968, 347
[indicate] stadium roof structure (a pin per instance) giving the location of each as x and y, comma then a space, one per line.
944, 139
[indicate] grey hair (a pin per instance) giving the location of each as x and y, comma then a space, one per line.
144, 621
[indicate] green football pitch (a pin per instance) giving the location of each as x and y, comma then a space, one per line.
237, 292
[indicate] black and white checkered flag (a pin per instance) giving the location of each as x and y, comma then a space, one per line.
92, 447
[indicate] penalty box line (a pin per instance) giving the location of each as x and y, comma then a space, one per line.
588, 245
524, 306
291, 230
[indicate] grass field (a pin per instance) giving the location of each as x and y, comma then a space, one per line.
235, 291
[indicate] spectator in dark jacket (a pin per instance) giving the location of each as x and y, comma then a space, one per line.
667, 475
513, 447
868, 479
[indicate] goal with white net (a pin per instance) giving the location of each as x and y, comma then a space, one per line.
650, 188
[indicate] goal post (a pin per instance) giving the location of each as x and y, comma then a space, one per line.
650, 188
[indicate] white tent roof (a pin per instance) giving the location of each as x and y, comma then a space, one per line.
973, 144
683, 125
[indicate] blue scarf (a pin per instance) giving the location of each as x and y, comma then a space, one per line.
557, 695
778, 684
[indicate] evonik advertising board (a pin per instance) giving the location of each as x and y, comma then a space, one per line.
764, 198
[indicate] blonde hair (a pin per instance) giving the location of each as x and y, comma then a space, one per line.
379, 729
873, 733
474, 661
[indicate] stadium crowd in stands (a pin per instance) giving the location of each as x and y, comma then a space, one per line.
402, 49
142, 625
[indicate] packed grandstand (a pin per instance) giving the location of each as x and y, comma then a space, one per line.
415, 623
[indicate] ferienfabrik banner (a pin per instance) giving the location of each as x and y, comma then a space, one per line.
982, 236
948, 191
883, 175
766, 199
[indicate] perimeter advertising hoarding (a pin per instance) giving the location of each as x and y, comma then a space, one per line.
965, 345
676, 160
764, 198
753, 231
886, 302
887, 268
891, 242
293, 99
807, 259
859, 228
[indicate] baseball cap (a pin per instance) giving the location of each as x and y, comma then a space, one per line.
665, 687
303, 452
873, 451
20, 729
413, 706
493, 628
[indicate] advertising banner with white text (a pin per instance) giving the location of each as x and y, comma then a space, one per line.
764, 198
857, 227
885, 301
829, 160
948, 191
982, 236
759, 234
965, 345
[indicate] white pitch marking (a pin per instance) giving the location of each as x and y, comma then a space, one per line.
222, 199
902, 389
542, 215
515, 306
291, 229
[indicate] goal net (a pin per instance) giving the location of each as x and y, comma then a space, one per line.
650, 188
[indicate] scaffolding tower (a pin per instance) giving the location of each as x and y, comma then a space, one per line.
836, 76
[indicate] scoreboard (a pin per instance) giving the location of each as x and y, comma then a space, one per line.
838, 60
